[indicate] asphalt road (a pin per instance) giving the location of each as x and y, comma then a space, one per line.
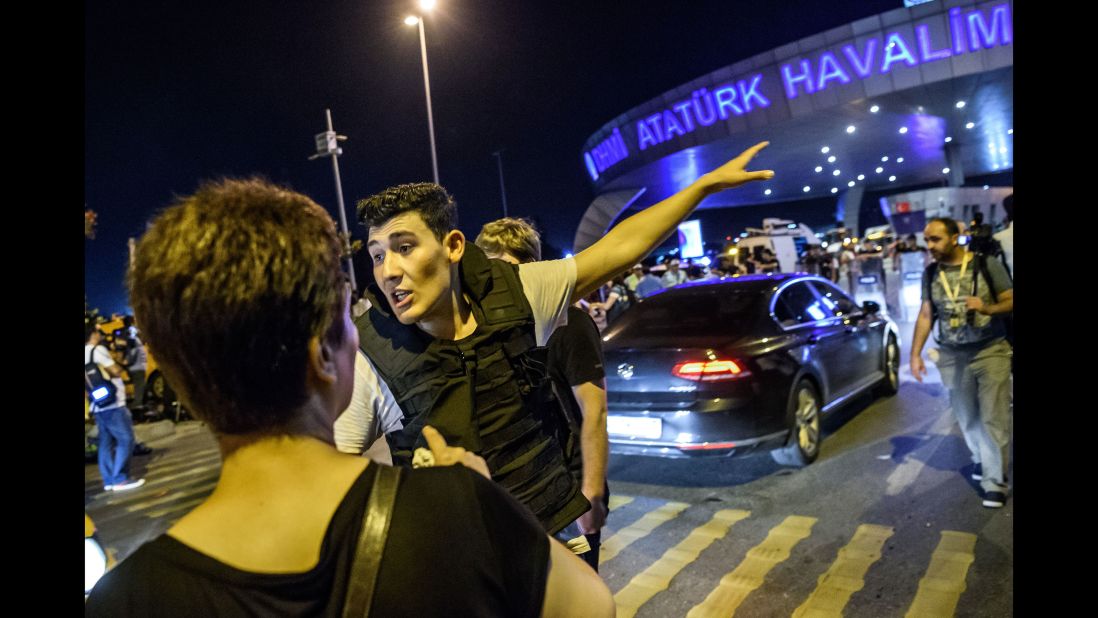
884, 523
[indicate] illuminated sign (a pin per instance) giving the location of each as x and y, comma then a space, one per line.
702, 109
877, 56
965, 32
607, 153
690, 239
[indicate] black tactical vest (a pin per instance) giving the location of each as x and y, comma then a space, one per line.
489, 392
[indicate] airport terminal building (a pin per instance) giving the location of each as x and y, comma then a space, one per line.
914, 96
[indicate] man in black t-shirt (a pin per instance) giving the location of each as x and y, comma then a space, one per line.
575, 364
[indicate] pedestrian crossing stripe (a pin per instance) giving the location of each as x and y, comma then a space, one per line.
613, 545
657, 577
619, 501
157, 469
941, 587
190, 504
211, 470
846, 575
175, 463
734, 587
202, 489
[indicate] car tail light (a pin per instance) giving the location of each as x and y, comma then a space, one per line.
709, 371
707, 446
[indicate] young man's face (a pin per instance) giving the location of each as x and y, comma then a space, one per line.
939, 241
412, 267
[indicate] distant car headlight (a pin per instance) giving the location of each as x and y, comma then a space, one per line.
95, 563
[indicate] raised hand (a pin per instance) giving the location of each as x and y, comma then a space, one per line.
734, 174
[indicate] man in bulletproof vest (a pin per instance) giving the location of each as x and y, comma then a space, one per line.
576, 368
459, 339
967, 294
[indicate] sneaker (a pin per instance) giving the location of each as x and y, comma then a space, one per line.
134, 484
994, 499
977, 472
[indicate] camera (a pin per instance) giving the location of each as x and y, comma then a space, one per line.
980, 237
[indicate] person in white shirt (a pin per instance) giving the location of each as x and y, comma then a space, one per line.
1006, 236
112, 420
673, 276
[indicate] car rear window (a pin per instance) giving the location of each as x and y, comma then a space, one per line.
692, 311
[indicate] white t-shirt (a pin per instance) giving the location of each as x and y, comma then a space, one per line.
373, 411
103, 358
1006, 240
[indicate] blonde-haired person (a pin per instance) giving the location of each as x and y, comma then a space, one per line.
516, 238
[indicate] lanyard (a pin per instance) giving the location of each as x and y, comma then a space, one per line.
950, 292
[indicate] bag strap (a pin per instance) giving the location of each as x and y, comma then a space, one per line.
371, 541
985, 270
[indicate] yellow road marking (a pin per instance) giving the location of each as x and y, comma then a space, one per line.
735, 586
658, 576
639, 529
944, 581
204, 489
846, 575
619, 501
211, 470
184, 460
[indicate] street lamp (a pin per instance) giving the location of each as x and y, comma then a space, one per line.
413, 20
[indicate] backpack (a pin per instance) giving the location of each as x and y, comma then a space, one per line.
102, 391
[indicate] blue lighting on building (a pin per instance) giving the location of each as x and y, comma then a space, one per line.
935, 39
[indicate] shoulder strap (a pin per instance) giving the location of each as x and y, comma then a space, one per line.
986, 271
371, 541
928, 274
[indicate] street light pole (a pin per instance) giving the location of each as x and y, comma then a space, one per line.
326, 146
502, 190
427, 89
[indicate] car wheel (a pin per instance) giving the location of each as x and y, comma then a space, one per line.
803, 446
890, 385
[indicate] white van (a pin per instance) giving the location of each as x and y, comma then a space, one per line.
786, 239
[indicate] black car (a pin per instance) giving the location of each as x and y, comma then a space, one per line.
744, 363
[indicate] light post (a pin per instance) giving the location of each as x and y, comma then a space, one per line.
413, 20
326, 146
502, 190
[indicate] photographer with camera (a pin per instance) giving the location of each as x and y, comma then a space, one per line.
967, 294
103, 381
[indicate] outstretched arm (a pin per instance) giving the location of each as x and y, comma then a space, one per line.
634, 238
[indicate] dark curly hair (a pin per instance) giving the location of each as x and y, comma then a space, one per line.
229, 285
431, 201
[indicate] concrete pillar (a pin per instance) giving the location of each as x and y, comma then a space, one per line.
850, 205
956, 176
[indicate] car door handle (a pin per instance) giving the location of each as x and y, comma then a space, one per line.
813, 339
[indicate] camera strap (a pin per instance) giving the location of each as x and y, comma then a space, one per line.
951, 292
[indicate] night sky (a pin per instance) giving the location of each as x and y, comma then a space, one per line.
178, 92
